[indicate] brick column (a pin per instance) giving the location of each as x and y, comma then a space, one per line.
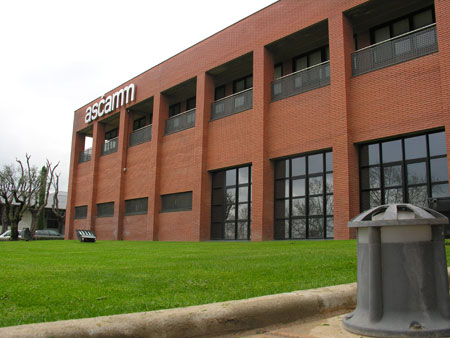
160, 115
345, 158
119, 205
262, 170
98, 137
442, 9
78, 142
201, 199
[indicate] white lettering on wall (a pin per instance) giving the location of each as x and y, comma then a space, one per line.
114, 101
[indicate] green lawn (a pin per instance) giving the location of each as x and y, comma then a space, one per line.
53, 280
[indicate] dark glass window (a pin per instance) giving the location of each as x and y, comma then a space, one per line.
231, 204
304, 197
177, 202
243, 84
136, 206
219, 93
311, 58
190, 103
405, 170
105, 209
81, 212
139, 123
174, 109
109, 135
403, 25
278, 71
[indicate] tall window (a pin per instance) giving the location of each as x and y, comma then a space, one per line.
243, 84
139, 123
311, 59
174, 109
231, 204
403, 25
109, 135
304, 197
190, 103
408, 169
219, 92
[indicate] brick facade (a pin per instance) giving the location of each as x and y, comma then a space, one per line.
401, 99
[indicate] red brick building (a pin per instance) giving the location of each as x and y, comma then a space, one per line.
283, 125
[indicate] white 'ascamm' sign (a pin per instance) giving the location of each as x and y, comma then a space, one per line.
114, 101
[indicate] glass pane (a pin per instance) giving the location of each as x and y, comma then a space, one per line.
316, 185
315, 163
329, 183
417, 173
282, 188
393, 196
422, 19
370, 154
392, 151
439, 190
298, 187
329, 161
415, 147
243, 211
330, 227
439, 171
418, 195
316, 205
282, 209
282, 229
298, 166
243, 175
300, 63
315, 58
382, 34
282, 169
370, 178
243, 194
278, 71
330, 205
316, 228
298, 207
437, 144
231, 196
217, 213
231, 177
229, 230
230, 211
298, 228
242, 230
370, 199
393, 176
400, 27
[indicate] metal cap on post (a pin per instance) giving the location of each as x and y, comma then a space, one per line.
402, 276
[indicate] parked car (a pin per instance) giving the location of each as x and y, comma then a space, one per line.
47, 234
6, 236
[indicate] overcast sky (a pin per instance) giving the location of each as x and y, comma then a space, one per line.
56, 56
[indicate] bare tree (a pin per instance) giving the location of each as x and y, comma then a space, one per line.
17, 186
59, 213
41, 191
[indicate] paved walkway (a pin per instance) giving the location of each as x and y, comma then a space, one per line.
316, 327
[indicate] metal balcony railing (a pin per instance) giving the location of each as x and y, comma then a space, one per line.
85, 155
110, 146
301, 81
180, 122
141, 135
399, 49
232, 104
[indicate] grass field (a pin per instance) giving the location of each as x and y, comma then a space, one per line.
54, 280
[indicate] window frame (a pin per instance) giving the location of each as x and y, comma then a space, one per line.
247, 83
323, 57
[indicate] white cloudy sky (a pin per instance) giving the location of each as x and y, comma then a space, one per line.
56, 56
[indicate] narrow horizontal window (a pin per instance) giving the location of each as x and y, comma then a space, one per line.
177, 202
136, 206
81, 212
105, 209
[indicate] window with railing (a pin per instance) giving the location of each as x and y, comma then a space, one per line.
399, 49
110, 146
85, 155
232, 104
301, 81
180, 122
141, 135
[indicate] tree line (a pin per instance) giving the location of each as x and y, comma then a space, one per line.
23, 187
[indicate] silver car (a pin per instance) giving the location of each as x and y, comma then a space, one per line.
6, 236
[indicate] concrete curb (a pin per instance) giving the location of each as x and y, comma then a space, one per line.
200, 321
